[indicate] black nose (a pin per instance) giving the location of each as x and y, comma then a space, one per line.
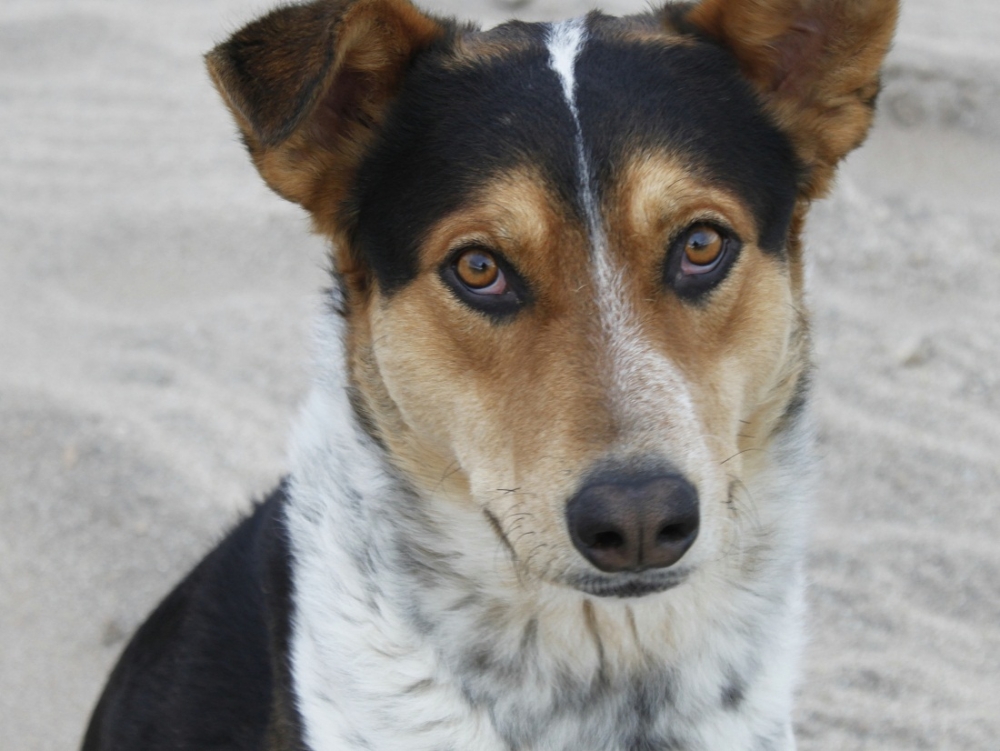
633, 524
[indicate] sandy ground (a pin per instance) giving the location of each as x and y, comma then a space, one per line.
154, 308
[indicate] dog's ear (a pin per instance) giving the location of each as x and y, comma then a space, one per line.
309, 85
815, 62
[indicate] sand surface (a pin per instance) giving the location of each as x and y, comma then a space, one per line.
155, 300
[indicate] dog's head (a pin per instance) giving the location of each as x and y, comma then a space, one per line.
570, 252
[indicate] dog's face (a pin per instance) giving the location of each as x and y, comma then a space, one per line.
568, 302
570, 251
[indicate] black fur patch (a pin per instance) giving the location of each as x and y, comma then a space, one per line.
209, 669
733, 694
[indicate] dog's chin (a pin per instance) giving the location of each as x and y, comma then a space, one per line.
634, 585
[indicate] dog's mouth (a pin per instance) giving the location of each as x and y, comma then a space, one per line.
628, 585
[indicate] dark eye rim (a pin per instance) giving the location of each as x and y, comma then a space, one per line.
504, 305
694, 287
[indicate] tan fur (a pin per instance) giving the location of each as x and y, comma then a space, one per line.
475, 48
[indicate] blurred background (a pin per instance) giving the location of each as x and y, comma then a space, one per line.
155, 302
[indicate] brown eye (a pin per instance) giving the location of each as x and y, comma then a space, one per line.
485, 281
699, 258
702, 249
477, 269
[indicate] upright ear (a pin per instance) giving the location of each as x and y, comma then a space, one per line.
816, 64
309, 85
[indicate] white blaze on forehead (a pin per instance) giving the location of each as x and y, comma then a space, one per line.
565, 42
642, 377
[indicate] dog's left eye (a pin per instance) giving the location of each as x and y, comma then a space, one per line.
700, 258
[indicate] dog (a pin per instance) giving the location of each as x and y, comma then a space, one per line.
549, 491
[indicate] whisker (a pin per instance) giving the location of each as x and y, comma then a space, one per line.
752, 448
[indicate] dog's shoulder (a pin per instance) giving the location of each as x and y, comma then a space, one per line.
204, 670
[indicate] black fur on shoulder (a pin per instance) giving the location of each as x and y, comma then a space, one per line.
208, 668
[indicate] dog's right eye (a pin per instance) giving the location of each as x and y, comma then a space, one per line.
484, 281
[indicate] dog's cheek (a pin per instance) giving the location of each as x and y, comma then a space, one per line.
770, 352
744, 345
432, 384
501, 437
748, 388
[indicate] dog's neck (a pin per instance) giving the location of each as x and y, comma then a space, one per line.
412, 629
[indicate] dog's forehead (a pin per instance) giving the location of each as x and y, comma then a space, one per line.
519, 95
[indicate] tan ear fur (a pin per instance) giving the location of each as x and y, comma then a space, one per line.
308, 84
816, 64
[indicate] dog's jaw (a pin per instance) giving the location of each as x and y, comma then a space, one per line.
404, 639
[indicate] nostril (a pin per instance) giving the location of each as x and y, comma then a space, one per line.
607, 541
673, 533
